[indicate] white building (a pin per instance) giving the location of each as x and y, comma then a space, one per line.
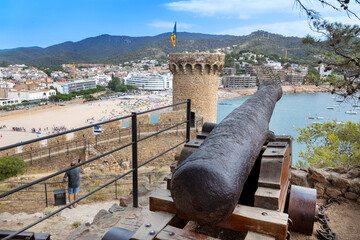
102, 79
6, 102
149, 81
239, 81
274, 64
30, 94
321, 70
77, 85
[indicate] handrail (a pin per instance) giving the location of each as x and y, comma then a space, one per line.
133, 143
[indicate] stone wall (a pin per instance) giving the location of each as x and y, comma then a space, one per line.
330, 182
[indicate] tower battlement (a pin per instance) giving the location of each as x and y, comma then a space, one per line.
196, 77
197, 63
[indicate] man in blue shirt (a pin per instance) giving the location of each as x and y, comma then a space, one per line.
74, 181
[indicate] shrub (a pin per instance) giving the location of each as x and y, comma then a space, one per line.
11, 166
331, 144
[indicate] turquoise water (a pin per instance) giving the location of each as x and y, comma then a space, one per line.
293, 110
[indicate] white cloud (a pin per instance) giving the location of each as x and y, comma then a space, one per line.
243, 9
170, 25
296, 29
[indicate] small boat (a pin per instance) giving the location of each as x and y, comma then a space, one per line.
351, 112
336, 105
330, 108
311, 118
320, 118
357, 108
317, 123
356, 105
339, 100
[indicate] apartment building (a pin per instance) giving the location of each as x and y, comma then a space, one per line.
239, 81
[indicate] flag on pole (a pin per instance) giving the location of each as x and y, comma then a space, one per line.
173, 36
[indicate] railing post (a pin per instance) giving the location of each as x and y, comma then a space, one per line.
134, 158
96, 141
46, 198
116, 190
188, 118
49, 153
67, 148
31, 157
119, 136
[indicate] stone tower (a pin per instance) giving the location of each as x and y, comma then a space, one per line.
196, 77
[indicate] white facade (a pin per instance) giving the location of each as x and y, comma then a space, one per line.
31, 95
78, 85
274, 64
102, 79
5, 102
149, 81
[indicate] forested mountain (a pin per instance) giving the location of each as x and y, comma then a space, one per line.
117, 49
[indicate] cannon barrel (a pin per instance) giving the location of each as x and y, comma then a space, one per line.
207, 185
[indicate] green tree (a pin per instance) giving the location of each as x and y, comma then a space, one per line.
113, 83
331, 144
11, 166
340, 53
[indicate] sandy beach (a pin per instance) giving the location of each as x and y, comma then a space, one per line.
22, 125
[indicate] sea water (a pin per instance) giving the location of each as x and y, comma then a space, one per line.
292, 111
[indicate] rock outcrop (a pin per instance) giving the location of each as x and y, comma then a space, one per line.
330, 182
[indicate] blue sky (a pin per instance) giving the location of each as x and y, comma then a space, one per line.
25, 23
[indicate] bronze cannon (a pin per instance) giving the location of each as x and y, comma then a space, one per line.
207, 185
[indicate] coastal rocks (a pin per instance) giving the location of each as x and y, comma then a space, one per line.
330, 182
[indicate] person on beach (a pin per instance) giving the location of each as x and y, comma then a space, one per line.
74, 182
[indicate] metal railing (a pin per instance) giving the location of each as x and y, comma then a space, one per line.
135, 166
45, 189
68, 146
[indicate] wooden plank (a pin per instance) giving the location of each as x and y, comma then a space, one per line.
157, 221
258, 220
257, 236
283, 195
173, 233
270, 172
274, 152
276, 144
243, 218
267, 198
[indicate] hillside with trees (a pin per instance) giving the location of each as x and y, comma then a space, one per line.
119, 49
